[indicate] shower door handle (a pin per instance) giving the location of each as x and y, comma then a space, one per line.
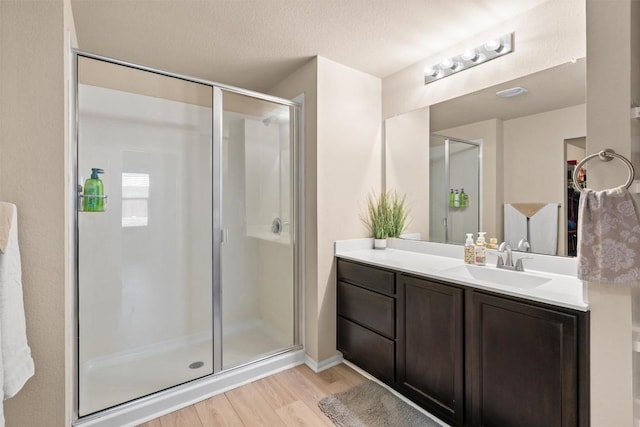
224, 235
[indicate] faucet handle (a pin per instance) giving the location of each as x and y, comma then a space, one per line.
524, 246
519, 265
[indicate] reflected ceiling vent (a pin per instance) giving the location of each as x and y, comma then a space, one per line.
511, 92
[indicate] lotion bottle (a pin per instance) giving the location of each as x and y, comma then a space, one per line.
456, 200
469, 250
480, 249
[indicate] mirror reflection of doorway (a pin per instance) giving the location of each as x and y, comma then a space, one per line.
575, 150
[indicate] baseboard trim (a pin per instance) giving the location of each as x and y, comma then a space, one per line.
323, 365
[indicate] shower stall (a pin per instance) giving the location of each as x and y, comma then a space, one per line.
188, 268
454, 166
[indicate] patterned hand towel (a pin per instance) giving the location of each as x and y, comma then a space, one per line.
608, 237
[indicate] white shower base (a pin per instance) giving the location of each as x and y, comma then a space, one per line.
115, 380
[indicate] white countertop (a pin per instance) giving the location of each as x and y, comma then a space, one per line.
542, 285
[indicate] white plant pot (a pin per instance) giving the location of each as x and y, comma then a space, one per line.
379, 243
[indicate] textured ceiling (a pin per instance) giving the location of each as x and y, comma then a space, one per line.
255, 43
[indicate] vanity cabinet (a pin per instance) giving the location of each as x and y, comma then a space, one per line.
366, 323
430, 362
470, 357
525, 363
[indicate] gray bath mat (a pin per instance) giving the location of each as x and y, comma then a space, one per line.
371, 405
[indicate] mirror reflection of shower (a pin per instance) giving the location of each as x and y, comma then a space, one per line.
455, 189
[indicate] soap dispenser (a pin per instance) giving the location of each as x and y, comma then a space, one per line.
93, 196
451, 198
469, 250
463, 198
480, 249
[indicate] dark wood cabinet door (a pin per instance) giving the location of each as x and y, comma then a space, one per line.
523, 364
370, 351
370, 309
430, 346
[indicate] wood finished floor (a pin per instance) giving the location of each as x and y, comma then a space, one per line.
288, 398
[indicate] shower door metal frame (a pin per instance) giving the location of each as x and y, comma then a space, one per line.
297, 234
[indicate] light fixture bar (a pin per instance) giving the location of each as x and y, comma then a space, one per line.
492, 49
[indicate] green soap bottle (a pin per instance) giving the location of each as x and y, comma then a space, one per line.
463, 198
93, 192
451, 198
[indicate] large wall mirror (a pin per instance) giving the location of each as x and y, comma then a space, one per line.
513, 156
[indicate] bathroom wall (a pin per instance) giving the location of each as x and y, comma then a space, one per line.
349, 167
343, 164
33, 40
609, 96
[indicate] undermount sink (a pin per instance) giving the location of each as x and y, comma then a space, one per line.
495, 276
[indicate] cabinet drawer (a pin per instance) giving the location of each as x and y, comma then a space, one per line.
370, 309
372, 352
368, 277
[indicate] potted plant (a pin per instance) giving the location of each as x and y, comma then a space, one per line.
378, 219
399, 214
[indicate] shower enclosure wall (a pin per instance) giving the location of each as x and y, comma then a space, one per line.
191, 268
454, 165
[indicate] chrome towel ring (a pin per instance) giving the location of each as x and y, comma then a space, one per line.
605, 155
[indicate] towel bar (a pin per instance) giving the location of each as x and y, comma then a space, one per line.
604, 155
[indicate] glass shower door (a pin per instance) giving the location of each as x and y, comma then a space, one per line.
145, 263
257, 251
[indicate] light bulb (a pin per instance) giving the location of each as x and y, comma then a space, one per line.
430, 71
447, 64
457, 66
470, 55
495, 45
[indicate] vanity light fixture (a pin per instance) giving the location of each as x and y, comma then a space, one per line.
469, 58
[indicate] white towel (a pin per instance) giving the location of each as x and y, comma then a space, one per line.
16, 364
543, 230
515, 225
608, 237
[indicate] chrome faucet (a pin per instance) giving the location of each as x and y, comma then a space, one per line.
507, 263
